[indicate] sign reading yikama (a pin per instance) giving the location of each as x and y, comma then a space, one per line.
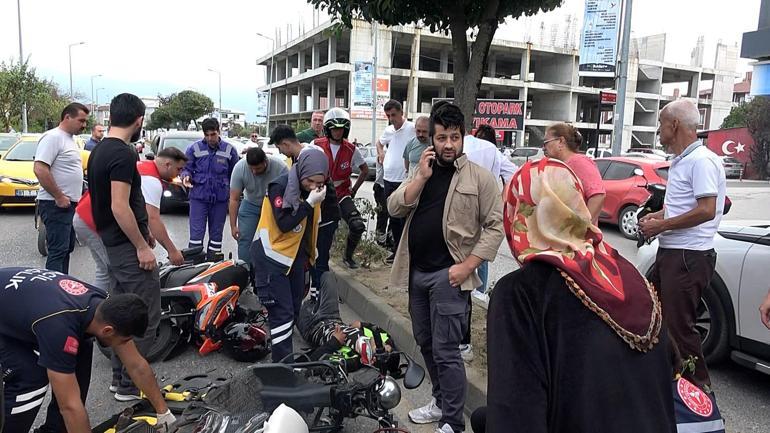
501, 114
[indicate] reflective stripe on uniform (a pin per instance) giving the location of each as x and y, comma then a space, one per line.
264, 236
281, 328
200, 242
701, 427
225, 153
28, 406
28, 395
287, 329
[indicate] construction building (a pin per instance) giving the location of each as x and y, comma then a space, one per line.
317, 70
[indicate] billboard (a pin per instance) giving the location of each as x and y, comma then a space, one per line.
501, 114
599, 39
361, 101
261, 105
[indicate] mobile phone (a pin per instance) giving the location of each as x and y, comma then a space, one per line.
430, 162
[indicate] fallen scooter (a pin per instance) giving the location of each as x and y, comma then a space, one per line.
209, 304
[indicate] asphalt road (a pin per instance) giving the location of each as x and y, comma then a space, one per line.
743, 394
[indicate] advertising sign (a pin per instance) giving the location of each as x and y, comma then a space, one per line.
599, 39
261, 105
501, 114
361, 102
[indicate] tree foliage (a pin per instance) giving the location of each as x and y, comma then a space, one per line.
20, 83
737, 117
177, 110
758, 123
456, 17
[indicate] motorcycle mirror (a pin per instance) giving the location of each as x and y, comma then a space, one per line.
415, 374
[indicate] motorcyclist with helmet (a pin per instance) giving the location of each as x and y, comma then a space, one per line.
343, 156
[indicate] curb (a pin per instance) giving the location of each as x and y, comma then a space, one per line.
370, 306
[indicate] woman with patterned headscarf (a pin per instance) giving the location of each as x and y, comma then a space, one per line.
574, 336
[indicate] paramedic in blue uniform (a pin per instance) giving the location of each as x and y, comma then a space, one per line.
285, 243
50, 342
210, 164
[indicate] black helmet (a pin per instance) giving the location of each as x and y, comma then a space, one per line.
336, 118
245, 342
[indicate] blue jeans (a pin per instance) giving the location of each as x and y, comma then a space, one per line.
483, 271
248, 218
59, 234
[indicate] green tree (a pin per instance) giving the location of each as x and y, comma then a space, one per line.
189, 105
160, 119
19, 83
482, 17
237, 130
737, 117
758, 123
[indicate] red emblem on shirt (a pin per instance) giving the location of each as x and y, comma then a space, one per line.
73, 287
694, 398
71, 345
278, 202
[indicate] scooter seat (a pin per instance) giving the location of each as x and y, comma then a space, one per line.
180, 276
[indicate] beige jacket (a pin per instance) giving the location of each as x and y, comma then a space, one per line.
473, 220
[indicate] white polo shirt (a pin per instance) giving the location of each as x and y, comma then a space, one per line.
487, 155
696, 173
396, 141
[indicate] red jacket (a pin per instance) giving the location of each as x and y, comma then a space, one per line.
146, 168
340, 168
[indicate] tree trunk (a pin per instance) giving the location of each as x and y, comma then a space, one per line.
469, 69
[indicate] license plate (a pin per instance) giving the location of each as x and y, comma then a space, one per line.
26, 193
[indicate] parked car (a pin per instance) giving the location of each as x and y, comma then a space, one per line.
650, 151
733, 167
18, 184
625, 180
728, 320
521, 155
370, 156
594, 153
647, 155
6, 141
175, 194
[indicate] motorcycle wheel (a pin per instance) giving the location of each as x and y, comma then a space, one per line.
42, 246
166, 339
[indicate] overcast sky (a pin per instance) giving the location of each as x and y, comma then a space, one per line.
163, 46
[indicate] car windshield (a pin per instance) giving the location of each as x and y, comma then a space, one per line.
730, 160
24, 151
662, 172
179, 143
7, 142
524, 152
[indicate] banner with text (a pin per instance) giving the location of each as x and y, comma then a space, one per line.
599, 39
261, 112
501, 114
361, 102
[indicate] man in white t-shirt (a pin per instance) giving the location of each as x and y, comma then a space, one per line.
390, 151
59, 169
693, 207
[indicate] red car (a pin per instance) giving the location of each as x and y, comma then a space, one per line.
625, 180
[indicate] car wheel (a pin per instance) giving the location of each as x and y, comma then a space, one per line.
42, 246
627, 221
711, 324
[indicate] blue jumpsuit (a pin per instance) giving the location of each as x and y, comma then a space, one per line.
209, 170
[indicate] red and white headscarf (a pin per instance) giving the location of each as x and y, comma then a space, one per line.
546, 219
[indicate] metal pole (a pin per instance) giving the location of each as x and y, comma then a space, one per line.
270, 89
21, 59
374, 83
93, 107
69, 49
219, 74
598, 125
623, 63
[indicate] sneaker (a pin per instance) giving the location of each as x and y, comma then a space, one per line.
382, 239
128, 394
350, 263
466, 351
389, 260
446, 428
481, 297
426, 414
115, 383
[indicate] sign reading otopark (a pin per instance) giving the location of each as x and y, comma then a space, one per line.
501, 114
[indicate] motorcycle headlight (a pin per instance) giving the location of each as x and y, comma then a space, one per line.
389, 393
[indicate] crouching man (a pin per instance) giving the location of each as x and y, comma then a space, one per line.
47, 322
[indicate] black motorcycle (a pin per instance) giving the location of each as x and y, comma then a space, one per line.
653, 204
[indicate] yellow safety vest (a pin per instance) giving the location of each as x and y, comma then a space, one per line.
282, 247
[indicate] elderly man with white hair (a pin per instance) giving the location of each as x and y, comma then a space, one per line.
695, 198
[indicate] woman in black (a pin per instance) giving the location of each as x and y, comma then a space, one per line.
574, 336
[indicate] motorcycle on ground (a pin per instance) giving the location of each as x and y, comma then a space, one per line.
209, 304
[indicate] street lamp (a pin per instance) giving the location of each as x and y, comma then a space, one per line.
219, 74
270, 84
92, 93
72, 96
97, 104
21, 59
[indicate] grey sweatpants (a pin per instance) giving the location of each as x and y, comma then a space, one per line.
130, 278
439, 317
91, 239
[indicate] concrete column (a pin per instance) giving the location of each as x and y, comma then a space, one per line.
316, 55
442, 91
288, 66
332, 50
692, 88
302, 92
444, 61
331, 91
490, 94
412, 95
301, 61
315, 96
288, 101
492, 62
525, 65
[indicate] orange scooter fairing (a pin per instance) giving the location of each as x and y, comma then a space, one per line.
213, 311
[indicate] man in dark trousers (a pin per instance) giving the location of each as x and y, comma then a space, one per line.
210, 163
50, 342
121, 219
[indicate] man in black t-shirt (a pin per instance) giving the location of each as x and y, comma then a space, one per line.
47, 322
120, 216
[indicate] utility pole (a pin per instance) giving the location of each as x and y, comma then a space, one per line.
270, 84
21, 59
93, 101
72, 95
374, 82
620, 106
219, 75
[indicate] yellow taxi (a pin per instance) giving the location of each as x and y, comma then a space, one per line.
18, 183
6, 141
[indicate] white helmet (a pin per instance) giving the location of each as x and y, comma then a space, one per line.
285, 420
336, 118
